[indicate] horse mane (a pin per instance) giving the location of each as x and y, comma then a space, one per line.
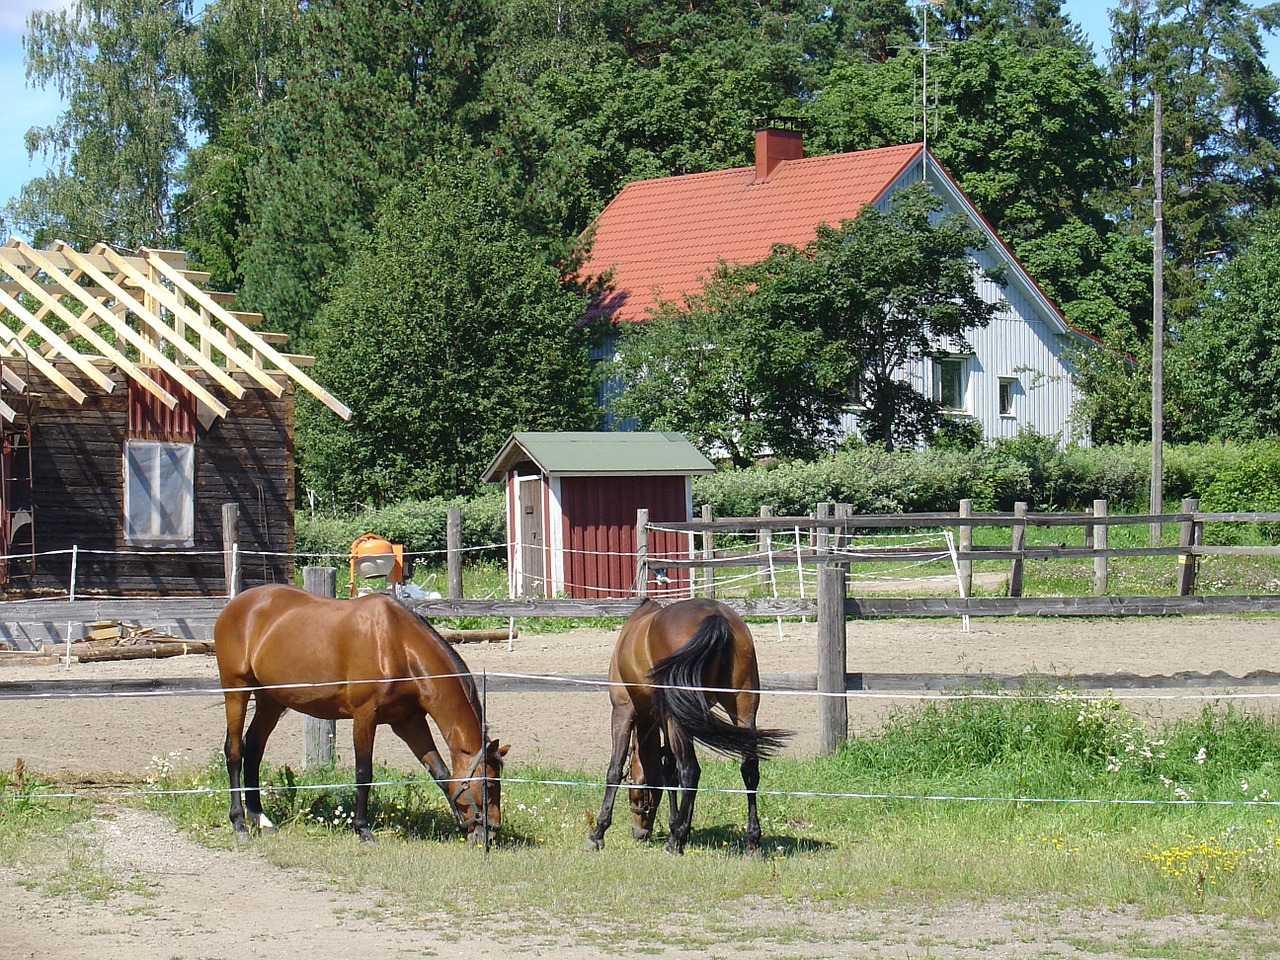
465, 677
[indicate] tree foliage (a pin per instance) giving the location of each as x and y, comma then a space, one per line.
771, 354
115, 151
265, 136
449, 329
1229, 359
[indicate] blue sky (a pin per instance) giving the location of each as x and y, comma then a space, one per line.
23, 107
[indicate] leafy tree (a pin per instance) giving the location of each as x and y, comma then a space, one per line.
1221, 127
1228, 364
806, 330
382, 86
448, 329
120, 65
872, 30
733, 373
246, 51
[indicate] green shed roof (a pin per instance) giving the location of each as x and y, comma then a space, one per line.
585, 453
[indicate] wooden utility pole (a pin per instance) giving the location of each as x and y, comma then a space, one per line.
1157, 322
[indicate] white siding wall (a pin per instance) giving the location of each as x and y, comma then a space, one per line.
1027, 341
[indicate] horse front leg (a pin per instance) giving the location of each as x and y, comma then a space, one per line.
417, 735
688, 773
362, 734
622, 720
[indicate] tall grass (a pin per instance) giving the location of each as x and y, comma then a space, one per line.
1041, 792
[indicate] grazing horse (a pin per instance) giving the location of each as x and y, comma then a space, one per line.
671, 665
368, 660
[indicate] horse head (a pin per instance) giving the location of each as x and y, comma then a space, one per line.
477, 795
644, 795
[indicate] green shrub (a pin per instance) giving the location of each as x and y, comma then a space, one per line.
1250, 483
1029, 468
419, 525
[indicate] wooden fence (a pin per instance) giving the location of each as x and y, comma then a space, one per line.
831, 528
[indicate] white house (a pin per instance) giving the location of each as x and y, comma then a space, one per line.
662, 238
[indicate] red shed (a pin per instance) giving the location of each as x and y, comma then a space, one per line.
571, 510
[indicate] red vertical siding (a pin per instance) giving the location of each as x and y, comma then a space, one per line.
600, 537
149, 419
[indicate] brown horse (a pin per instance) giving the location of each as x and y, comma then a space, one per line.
670, 667
368, 660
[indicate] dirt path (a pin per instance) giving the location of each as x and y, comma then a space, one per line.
176, 899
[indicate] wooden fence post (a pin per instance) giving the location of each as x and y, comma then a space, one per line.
1017, 544
231, 548
708, 553
1100, 544
1190, 534
833, 707
822, 542
966, 546
453, 553
764, 536
642, 553
844, 511
318, 735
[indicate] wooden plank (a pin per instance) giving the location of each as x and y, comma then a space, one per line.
73, 356
15, 347
926, 520
243, 331
80, 327
140, 343
192, 318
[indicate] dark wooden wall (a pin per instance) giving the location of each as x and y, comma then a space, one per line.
246, 458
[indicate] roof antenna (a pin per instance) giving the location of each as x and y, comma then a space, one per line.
924, 86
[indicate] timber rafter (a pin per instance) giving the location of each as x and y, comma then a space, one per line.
132, 312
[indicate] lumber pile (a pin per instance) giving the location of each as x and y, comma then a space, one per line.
113, 640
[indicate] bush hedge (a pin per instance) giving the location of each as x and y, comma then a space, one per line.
1030, 468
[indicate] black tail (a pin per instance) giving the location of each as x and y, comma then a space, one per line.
678, 678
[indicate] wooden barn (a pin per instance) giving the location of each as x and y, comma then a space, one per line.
571, 510
134, 405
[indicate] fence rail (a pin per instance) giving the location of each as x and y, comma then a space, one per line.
831, 532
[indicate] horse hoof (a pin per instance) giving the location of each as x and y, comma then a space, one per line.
367, 837
267, 830
593, 844
671, 851
242, 838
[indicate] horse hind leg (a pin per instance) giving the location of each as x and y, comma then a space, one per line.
688, 773
364, 727
266, 714
237, 705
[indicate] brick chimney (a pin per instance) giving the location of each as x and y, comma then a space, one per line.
777, 139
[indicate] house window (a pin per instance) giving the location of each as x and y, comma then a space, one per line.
1008, 389
159, 493
951, 383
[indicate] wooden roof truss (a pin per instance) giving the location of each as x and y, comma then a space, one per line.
142, 310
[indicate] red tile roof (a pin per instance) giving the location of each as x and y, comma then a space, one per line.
663, 237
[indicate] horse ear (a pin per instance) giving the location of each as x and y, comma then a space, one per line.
500, 751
